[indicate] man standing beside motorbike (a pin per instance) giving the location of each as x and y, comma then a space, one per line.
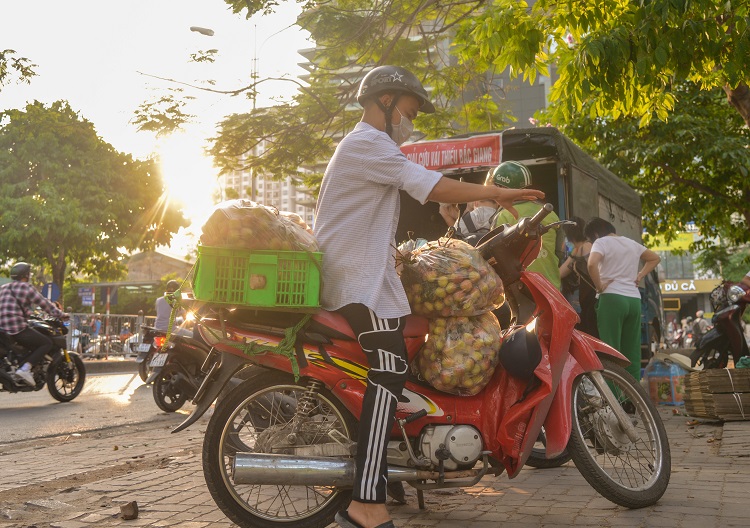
17, 300
356, 218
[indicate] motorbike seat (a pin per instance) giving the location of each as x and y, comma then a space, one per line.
333, 325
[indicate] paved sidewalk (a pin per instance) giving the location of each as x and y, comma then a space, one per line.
81, 481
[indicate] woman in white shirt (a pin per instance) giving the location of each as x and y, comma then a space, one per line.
613, 266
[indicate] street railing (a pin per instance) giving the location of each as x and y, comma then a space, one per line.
102, 336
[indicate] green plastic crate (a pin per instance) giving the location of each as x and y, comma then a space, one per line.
263, 279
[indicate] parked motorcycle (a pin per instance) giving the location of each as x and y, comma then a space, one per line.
279, 451
728, 301
153, 340
181, 376
62, 371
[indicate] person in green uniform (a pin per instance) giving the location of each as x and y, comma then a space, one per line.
515, 175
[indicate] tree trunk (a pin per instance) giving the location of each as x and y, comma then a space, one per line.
739, 98
58, 274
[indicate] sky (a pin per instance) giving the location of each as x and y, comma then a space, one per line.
90, 53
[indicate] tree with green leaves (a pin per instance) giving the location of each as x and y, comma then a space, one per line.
729, 263
619, 65
15, 68
617, 58
691, 168
70, 200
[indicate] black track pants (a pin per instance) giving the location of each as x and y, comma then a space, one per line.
382, 340
38, 343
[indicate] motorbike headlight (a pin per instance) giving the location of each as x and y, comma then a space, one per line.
735, 293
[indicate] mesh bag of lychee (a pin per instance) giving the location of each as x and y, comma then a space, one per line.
244, 224
460, 354
449, 278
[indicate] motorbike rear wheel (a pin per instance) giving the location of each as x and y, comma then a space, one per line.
260, 415
65, 380
631, 474
169, 393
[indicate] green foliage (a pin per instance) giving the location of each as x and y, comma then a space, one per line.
615, 57
162, 116
11, 65
204, 56
729, 263
691, 168
70, 200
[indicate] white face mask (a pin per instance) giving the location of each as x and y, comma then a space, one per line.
403, 130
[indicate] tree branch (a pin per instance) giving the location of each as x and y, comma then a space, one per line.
695, 185
244, 89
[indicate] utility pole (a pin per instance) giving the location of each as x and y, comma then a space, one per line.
254, 69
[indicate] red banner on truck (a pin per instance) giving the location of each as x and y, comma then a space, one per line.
440, 155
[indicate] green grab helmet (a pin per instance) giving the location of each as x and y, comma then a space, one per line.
511, 174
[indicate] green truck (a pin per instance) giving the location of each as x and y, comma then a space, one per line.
574, 182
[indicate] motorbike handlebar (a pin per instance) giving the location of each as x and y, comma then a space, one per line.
535, 220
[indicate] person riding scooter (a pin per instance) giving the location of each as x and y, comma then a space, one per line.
17, 300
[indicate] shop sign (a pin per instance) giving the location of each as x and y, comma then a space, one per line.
477, 151
688, 286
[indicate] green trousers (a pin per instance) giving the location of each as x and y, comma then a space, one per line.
619, 323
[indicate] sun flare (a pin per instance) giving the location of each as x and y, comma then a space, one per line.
189, 175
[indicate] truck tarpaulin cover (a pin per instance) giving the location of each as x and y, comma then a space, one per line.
475, 151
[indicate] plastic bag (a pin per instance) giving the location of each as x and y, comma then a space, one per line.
449, 278
461, 353
245, 224
296, 219
411, 245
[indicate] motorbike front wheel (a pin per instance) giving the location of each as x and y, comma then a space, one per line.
65, 379
273, 414
538, 457
709, 358
143, 370
631, 474
169, 392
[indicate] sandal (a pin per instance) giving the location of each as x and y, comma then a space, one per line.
343, 520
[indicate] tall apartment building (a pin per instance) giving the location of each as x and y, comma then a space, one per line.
285, 195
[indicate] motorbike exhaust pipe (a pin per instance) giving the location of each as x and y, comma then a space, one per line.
265, 469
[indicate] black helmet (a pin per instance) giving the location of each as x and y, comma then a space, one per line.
384, 79
172, 286
20, 270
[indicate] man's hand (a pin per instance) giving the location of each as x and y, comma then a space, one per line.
507, 197
449, 212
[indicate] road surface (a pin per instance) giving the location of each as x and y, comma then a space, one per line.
107, 400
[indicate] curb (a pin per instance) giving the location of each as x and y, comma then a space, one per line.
105, 366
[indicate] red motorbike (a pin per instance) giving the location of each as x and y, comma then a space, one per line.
729, 301
279, 451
